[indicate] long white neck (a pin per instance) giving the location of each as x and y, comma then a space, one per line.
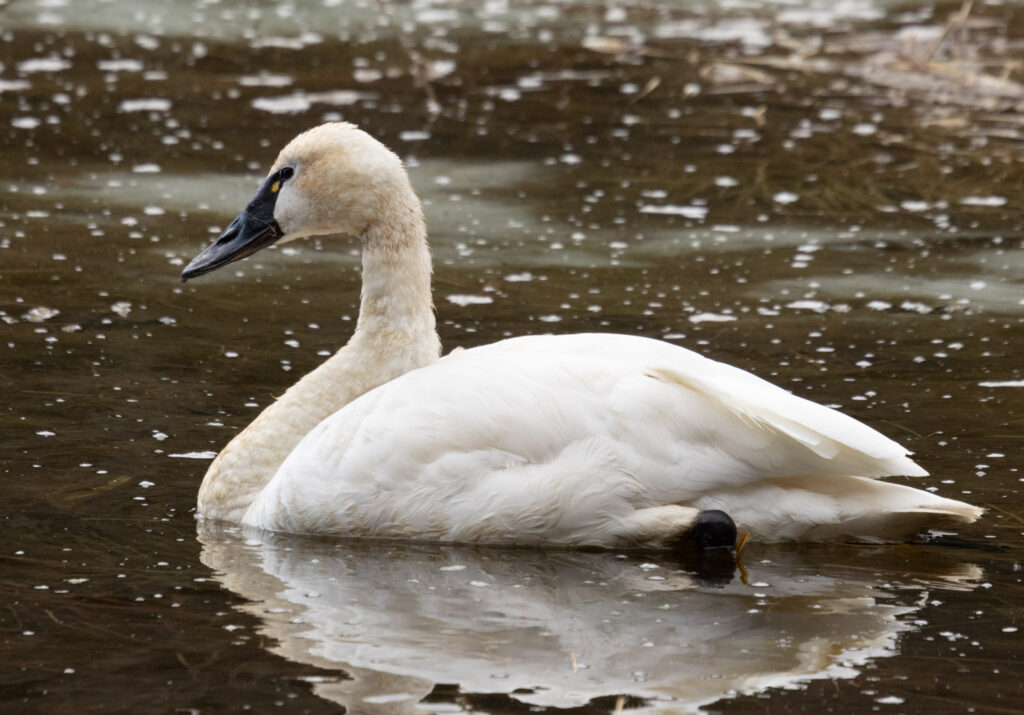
395, 334
396, 311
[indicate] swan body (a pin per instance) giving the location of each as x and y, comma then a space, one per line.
575, 440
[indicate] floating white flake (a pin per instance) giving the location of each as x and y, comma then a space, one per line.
13, 85
889, 700
914, 206
697, 213
711, 318
300, 102
122, 65
983, 201
43, 64
40, 313
816, 305
152, 104
193, 455
464, 300
265, 80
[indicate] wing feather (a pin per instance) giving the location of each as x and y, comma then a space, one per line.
519, 425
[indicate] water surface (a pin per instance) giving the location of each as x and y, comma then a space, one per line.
825, 194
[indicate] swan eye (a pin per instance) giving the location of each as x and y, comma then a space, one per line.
282, 176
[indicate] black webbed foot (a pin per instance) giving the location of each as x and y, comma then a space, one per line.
712, 529
707, 548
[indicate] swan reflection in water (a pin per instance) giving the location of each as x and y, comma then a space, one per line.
561, 628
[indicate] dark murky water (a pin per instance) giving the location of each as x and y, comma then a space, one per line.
826, 194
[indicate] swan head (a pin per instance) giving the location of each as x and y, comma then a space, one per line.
334, 178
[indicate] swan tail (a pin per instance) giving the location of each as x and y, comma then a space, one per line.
838, 509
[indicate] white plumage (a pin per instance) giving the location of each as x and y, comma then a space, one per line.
605, 440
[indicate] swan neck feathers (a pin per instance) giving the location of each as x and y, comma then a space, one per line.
396, 302
395, 333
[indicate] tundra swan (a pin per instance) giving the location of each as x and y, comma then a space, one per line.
572, 440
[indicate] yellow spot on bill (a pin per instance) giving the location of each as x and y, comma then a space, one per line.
275, 187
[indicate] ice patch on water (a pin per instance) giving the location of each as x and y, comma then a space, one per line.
291, 104
414, 136
993, 201
301, 101
464, 300
711, 318
289, 43
828, 14
914, 206
13, 85
122, 65
751, 32
40, 313
695, 212
43, 64
915, 306
816, 305
387, 698
265, 80
193, 455
150, 104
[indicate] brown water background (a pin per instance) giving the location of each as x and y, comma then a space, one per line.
826, 194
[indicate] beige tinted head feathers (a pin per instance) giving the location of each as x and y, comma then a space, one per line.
334, 178
343, 177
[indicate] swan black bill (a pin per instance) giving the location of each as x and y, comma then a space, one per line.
252, 230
